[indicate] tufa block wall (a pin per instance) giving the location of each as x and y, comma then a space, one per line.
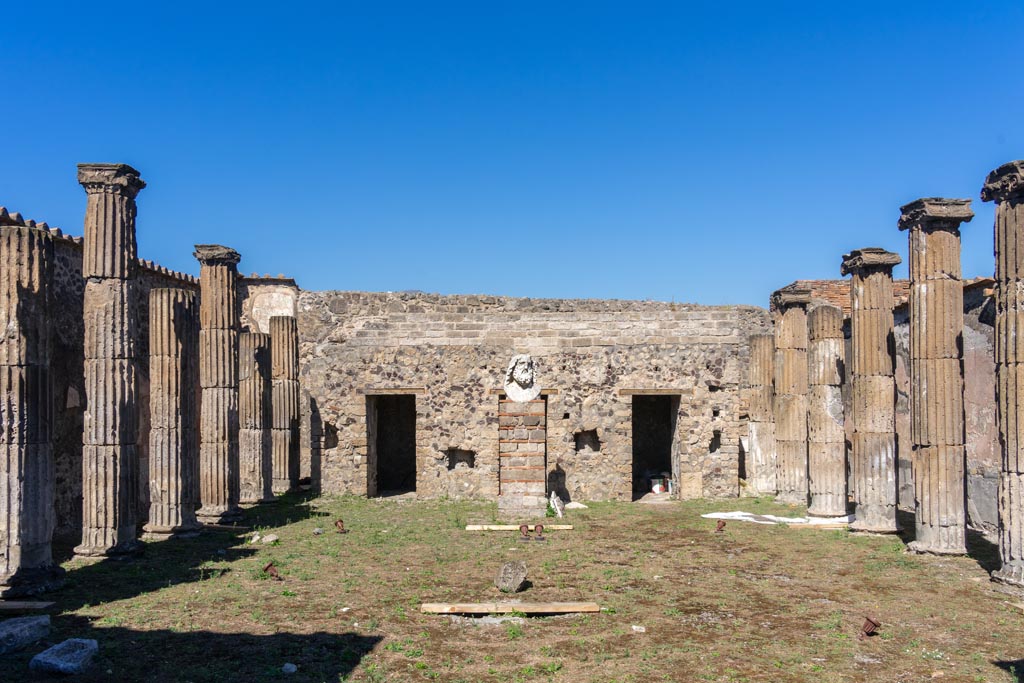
451, 353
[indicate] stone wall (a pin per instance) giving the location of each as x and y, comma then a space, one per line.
451, 353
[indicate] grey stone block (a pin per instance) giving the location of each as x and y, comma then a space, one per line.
73, 656
21, 632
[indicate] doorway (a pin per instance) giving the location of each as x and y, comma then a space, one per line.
390, 444
654, 428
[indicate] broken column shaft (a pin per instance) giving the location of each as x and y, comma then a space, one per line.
791, 395
254, 403
762, 421
218, 377
284, 353
109, 457
173, 438
26, 412
936, 383
826, 436
1005, 186
872, 368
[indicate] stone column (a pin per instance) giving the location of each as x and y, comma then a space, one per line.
936, 382
1005, 185
762, 420
873, 463
173, 441
254, 438
826, 435
218, 377
284, 352
26, 412
791, 394
109, 457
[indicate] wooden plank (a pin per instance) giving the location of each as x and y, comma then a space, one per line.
515, 527
25, 605
508, 607
226, 527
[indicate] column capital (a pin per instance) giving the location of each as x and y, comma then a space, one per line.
115, 178
935, 213
1006, 182
216, 255
869, 258
786, 297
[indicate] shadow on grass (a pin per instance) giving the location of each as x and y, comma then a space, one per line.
1015, 667
203, 656
175, 561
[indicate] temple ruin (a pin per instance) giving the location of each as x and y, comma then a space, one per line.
138, 401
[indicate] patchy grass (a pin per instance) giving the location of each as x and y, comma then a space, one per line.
754, 603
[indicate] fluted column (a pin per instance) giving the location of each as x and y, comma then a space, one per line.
872, 367
254, 437
218, 377
284, 344
791, 394
826, 436
761, 424
936, 380
1005, 186
109, 457
173, 438
26, 412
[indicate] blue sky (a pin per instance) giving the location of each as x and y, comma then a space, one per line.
695, 152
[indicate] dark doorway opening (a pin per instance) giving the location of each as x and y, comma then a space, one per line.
654, 428
391, 444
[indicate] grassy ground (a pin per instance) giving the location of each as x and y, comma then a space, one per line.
754, 603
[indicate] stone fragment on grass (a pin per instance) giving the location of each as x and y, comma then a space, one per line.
511, 577
269, 538
575, 506
73, 656
289, 668
22, 631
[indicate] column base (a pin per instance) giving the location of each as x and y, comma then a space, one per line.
1011, 575
791, 498
32, 581
122, 550
827, 510
218, 515
283, 486
925, 549
151, 532
939, 540
874, 528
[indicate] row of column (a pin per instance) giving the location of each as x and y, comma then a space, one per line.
197, 473
936, 381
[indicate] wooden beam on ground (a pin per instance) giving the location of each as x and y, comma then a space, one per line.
24, 605
508, 607
226, 527
515, 527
